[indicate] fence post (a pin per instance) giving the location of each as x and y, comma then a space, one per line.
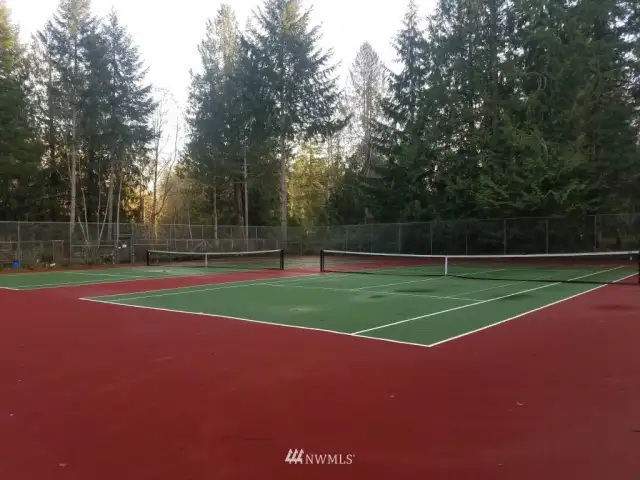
399, 238
595, 233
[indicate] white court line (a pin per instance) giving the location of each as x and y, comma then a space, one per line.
315, 287
476, 303
249, 320
8, 288
426, 279
492, 288
352, 335
125, 275
547, 278
197, 289
123, 279
73, 284
527, 312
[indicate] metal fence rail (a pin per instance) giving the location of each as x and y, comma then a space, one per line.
35, 242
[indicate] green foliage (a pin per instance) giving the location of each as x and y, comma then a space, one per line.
298, 85
511, 110
493, 109
308, 183
20, 148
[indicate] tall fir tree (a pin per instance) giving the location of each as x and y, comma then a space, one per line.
65, 39
129, 105
218, 122
299, 82
20, 147
399, 182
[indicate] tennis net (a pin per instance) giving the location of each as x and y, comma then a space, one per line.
257, 260
598, 268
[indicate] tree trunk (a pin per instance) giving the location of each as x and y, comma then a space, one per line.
154, 207
142, 209
116, 240
112, 181
283, 191
238, 190
215, 216
72, 180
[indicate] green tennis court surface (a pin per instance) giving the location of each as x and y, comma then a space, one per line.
160, 264
422, 311
37, 280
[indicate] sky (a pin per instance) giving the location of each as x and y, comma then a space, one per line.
167, 33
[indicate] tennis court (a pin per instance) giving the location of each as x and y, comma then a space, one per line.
413, 299
166, 265
195, 361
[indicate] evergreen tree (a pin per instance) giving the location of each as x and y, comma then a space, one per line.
300, 89
219, 120
308, 187
129, 106
65, 38
19, 145
397, 184
367, 87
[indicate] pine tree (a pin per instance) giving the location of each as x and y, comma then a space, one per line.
218, 120
399, 182
19, 145
300, 89
367, 87
129, 106
308, 187
64, 38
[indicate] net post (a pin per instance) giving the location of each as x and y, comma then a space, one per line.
148, 255
282, 259
322, 260
206, 260
446, 266
638, 259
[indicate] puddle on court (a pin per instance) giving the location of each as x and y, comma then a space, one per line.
304, 309
517, 296
369, 297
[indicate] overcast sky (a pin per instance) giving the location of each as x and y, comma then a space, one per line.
167, 33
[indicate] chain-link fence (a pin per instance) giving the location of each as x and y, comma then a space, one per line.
522, 235
52, 242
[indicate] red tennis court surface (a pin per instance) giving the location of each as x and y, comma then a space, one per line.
101, 391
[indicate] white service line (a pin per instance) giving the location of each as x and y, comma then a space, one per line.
527, 312
315, 287
492, 288
438, 277
546, 278
74, 284
298, 327
476, 303
125, 275
195, 288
